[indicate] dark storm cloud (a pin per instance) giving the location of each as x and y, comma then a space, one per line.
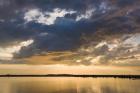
14, 31
107, 17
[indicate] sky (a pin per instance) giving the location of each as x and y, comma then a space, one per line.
71, 32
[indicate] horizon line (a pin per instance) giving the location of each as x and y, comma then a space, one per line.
72, 75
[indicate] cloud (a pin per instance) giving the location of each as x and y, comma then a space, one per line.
4, 3
134, 40
7, 53
46, 18
88, 14
58, 25
117, 51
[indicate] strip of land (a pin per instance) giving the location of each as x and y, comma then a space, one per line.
72, 75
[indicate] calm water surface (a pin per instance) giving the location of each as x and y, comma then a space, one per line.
69, 85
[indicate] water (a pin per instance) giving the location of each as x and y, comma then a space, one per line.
68, 85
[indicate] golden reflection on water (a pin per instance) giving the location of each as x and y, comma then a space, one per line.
68, 85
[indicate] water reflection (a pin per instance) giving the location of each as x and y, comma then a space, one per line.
68, 85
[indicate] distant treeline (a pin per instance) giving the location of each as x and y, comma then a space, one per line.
73, 75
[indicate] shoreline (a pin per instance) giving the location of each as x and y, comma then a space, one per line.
73, 75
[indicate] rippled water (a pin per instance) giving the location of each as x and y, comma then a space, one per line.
68, 85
